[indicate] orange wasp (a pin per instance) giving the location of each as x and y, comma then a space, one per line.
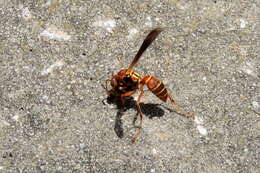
126, 82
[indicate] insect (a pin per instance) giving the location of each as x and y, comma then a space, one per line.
126, 82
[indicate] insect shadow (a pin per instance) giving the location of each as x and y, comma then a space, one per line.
150, 110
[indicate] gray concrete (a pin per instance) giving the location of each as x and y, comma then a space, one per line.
54, 113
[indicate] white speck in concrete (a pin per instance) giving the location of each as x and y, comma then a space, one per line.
51, 68
4, 123
48, 2
202, 130
132, 32
243, 23
26, 14
198, 120
204, 78
256, 105
248, 71
53, 32
15, 117
182, 5
107, 23
243, 51
249, 68
154, 152
45, 99
148, 21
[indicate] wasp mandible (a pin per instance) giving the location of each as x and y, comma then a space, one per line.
126, 82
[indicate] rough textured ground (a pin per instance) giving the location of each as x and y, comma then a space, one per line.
54, 113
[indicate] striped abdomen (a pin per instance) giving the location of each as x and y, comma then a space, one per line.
156, 86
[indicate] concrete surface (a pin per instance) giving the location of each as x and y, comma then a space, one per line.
54, 113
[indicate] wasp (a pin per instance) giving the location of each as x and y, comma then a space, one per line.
127, 82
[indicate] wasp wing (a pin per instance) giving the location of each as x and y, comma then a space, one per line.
147, 41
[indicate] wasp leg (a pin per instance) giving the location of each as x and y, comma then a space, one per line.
105, 86
122, 97
181, 111
138, 128
108, 80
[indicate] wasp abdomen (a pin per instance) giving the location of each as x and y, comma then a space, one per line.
156, 86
